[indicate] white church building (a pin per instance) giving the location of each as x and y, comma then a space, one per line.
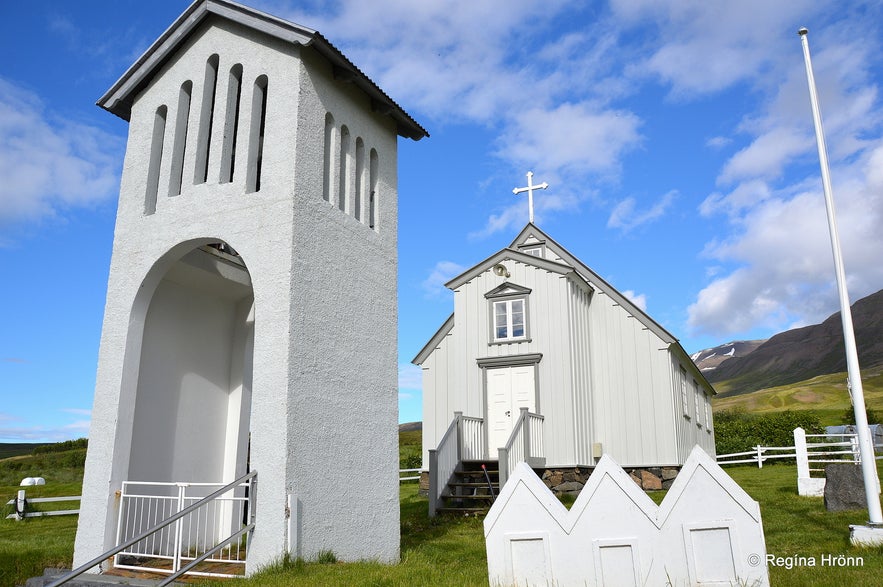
258, 203
544, 361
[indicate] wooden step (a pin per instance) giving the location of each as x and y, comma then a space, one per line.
466, 511
496, 486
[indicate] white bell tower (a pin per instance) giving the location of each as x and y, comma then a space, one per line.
251, 308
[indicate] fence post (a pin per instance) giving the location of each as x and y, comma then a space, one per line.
179, 531
459, 417
800, 453
525, 426
503, 466
20, 503
433, 481
759, 456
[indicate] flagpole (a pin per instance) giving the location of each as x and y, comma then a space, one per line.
866, 449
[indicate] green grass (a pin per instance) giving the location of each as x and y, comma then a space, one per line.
410, 449
800, 526
15, 449
825, 394
451, 551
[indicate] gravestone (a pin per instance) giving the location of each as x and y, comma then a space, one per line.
844, 488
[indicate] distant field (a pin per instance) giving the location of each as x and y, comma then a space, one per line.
825, 394
17, 449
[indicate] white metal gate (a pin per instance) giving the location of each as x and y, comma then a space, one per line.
145, 504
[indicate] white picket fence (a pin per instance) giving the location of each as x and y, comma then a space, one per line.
820, 449
409, 477
20, 502
823, 451
21, 499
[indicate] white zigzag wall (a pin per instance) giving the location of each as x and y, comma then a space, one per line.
707, 531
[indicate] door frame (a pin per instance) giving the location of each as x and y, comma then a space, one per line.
501, 362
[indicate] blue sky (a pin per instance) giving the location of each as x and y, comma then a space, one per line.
676, 138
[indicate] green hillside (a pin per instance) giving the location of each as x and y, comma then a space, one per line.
826, 395
16, 449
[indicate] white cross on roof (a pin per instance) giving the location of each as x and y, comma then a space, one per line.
529, 189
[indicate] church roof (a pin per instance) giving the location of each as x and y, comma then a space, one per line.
599, 284
119, 98
595, 280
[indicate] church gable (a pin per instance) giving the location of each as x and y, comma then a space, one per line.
507, 289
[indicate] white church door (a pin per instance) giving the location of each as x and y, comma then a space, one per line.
508, 390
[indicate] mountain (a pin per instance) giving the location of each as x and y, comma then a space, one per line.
710, 358
803, 353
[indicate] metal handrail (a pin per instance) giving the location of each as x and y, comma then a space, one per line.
204, 556
116, 549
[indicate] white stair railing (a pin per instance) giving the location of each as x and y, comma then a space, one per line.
245, 531
462, 441
144, 504
525, 444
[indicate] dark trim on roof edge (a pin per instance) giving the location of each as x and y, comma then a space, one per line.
433, 343
512, 254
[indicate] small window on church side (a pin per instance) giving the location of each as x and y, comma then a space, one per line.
509, 320
697, 403
685, 399
707, 415
153, 167
535, 251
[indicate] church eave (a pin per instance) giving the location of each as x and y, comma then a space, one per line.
508, 254
433, 343
119, 98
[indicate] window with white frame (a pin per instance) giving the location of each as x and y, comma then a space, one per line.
509, 319
536, 251
707, 407
685, 399
509, 313
697, 403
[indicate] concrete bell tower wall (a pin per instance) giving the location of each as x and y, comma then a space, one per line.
323, 409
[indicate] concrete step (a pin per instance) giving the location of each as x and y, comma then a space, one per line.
91, 580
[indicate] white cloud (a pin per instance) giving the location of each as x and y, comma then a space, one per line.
410, 377
707, 46
466, 65
625, 217
434, 285
770, 264
639, 300
718, 142
580, 137
782, 248
49, 165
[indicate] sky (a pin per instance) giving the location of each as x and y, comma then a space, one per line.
676, 138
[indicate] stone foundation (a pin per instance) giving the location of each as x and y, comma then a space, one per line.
571, 481
423, 484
